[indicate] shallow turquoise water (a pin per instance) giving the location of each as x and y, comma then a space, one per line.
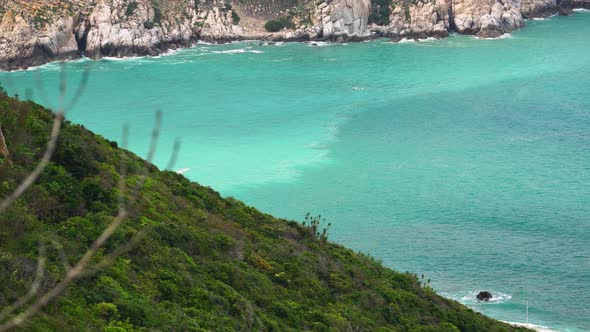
466, 160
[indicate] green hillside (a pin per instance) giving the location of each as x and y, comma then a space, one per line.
205, 264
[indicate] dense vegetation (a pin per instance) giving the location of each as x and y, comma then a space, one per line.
380, 11
279, 24
206, 263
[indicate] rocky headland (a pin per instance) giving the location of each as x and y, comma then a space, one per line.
33, 32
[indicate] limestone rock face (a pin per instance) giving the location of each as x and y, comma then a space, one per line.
435, 18
487, 18
106, 28
33, 32
425, 18
20, 43
217, 25
342, 18
538, 8
112, 30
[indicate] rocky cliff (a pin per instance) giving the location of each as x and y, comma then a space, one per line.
33, 32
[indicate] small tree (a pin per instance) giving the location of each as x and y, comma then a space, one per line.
313, 224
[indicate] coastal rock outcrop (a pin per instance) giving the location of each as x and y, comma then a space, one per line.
486, 18
42, 31
342, 18
538, 8
484, 296
436, 18
424, 18
21, 44
34, 32
148, 27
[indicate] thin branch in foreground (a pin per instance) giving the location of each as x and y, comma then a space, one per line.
51, 145
34, 287
62, 255
34, 175
81, 268
174, 155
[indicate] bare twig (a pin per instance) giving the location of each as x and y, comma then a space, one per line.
62, 255
40, 167
72, 275
34, 287
81, 268
174, 155
110, 259
57, 123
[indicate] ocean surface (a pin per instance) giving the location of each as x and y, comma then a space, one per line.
462, 159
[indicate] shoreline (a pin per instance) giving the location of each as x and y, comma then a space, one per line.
163, 48
538, 328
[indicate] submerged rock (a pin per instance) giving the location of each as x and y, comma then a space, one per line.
484, 296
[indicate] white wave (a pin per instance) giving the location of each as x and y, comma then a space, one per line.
282, 60
170, 52
319, 44
538, 328
182, 170
470, 297
200, 42
581, 10
53, 65
357, 88
503, 36
123, 58
497, 297
413, 40
544, 18
237, 51
407, 40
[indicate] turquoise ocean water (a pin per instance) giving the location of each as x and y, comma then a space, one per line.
467, 160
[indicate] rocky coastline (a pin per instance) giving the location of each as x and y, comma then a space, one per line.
40, 31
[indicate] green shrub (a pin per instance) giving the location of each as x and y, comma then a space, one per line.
380, 11
148, 25
407, 12
131, 7
157, 13
261, 263
106, 310
279, 24
235, 17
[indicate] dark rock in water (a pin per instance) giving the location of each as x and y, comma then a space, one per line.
484, 296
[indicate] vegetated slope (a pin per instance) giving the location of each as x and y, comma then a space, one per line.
206, 263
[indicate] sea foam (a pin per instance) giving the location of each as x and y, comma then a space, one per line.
538, 328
